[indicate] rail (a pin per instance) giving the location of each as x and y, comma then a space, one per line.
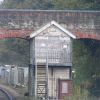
6, 94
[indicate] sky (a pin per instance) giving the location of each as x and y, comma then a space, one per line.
1, 1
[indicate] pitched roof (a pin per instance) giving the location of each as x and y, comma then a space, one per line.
33, 34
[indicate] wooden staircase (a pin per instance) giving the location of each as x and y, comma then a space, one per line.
42, 82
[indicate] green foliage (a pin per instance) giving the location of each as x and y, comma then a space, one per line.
86, 62
81, 61
66, 4
28, 4
52, 4
14, 51
77, 4
18, 47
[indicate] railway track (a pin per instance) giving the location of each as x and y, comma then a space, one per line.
4, 95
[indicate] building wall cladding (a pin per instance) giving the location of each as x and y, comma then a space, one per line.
85, 21
55, 74
54, 44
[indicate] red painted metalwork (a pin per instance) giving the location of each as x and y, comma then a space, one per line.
15, 23
80, 35
8, 33
19, 33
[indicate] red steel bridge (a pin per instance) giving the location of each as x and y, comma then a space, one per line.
18, 23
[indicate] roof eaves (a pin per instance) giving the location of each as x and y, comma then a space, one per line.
64, 30
33, 34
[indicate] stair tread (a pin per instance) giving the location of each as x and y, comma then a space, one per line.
41, 66
41, 93
40, 73
41, 81
41, 85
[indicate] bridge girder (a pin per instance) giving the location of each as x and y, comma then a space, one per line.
14, 33
16, 23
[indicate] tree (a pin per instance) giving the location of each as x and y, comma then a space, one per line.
86, 56
77, 4
28, 4
18, 51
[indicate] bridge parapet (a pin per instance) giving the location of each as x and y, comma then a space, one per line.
73, 20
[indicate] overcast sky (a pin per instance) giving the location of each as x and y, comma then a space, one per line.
1, 0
